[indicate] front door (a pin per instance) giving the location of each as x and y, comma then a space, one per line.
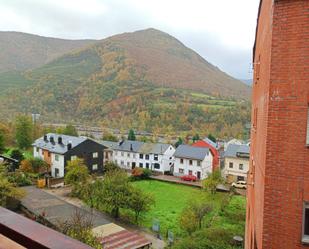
133, 165
190, 172
198, 175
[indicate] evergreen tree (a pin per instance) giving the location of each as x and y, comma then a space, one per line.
24, 132
212, 138
131, 135
195, 138
70, 130
179, 142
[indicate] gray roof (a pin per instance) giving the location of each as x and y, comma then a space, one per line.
151, 148
56, 147
108, 144
233, 149
141, 147
128, 145
191, 152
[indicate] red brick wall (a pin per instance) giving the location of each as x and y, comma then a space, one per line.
279, 164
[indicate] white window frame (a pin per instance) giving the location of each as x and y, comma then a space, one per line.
95, 154
73, 158
57, 158
241, 166
94, 167
305, 237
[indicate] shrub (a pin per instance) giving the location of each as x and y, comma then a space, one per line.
140, 173
19, 178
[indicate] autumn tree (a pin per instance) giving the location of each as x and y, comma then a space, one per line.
212, 181
112, 193
23, 131
140, 202
77, 175
8, 189
192, 216
79, 227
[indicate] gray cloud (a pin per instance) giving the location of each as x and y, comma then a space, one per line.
52, 18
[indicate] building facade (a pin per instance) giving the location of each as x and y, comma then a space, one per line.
157, 157
191, 160
278, 179
57, 150
236, 163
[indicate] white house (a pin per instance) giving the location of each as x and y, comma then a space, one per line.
236, 162
57, 150
191, 160
155, 156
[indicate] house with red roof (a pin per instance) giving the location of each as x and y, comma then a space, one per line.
213, 150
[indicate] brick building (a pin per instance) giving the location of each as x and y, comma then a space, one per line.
278, 180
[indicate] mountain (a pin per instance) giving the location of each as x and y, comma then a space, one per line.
247, 81
21, 51
147, 80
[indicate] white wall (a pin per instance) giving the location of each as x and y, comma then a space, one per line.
38, 153
235, 171
205, 166
125, 159
57, 164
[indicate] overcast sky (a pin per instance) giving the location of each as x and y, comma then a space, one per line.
222, 31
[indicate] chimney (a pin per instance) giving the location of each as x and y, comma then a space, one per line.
59, 140
45, 138
69, 145
121, 142
51, 139
131, 147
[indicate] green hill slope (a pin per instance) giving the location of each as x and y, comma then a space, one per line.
147, 80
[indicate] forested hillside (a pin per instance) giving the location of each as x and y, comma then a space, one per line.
145, 80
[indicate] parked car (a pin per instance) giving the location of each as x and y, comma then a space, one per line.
189, 178
239, 184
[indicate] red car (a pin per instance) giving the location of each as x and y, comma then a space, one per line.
189, 178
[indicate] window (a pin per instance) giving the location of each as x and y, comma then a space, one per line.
181, 161
94, 167
57, 158
198, 163
37, 149
230, 165
122, 163
147, 165
190, 172
180, 171
157, 166
155, 157
134, 155
141, 156
48, 154
305, 237
95, 154
73, 158
128, 154
147, 157
241, 166
240, 178
190, 162
56, 172
128, 164
141, 165
122, 153
307, 139
116, 153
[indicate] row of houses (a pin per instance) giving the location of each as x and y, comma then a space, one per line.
198, 159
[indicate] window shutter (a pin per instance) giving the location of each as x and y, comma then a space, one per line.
307, 139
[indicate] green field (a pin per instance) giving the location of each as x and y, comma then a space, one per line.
172, 198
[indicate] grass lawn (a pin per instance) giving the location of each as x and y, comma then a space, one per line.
28, 154
172, 198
